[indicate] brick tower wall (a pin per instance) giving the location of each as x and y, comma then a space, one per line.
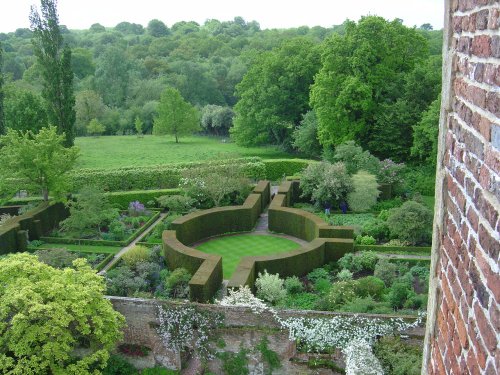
463, 327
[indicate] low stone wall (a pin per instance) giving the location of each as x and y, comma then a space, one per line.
241, 327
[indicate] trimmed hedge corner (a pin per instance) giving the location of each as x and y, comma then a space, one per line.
32, 225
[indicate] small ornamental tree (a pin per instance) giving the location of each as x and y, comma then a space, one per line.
95, 128
89, 212
175, 116
326, 183
36, 161
47, 313
365, 192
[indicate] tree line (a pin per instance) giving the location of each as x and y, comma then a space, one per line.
306, 89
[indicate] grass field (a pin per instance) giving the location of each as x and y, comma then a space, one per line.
232, 248
123, 151
81, 248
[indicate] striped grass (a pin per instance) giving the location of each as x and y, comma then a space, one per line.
233, 248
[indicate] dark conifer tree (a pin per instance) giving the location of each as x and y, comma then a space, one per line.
55, 62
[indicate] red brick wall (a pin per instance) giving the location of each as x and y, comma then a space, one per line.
464, 327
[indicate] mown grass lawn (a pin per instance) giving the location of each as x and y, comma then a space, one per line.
232, 248
123, 151
81, 248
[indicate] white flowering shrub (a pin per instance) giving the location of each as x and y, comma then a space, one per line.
360, 359
270, 287
186, 326
354, 335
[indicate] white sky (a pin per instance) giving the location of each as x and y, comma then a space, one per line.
80, 14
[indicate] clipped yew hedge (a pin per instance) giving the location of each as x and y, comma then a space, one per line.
207, 268
122, 199
276, 169
32, 225
157, 177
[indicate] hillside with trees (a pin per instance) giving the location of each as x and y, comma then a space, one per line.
304, 89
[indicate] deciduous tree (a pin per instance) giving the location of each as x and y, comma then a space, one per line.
55, 63
24, 110
48, 313
37, 161
175, 116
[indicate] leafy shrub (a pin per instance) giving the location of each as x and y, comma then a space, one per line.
121, 281
398, 294
344, 275
166, 224
387, 204
57, 258
301, 301
363, 261
117, 365
370, 286
36, 243
136, 255
340, 293
270, 287
235, 363
177, 283
322, 286
411, 222
318, 274
366, 305
376, 228
293, 285
325, 182
365, 240
390, 172
383, 215
355, 158
148, 271
398, 357
176, 203
416, 301
386, 271
117, 231
365, 192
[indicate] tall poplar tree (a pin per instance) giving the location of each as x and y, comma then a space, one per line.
2, 121
55, 61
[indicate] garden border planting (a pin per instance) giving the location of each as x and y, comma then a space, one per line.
123, 198
82, 241
394, 249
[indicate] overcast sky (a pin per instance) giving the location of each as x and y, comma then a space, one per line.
80, 14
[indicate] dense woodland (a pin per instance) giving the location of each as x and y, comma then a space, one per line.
373, 81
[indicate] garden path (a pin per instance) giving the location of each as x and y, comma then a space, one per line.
119, 254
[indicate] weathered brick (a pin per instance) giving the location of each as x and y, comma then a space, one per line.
487, 333
480, 46
495, 46
493, 103
494, 20
482, 19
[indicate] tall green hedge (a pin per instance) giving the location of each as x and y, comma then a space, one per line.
34, 224
264, 189
156, 177
276, 169
122, 199
207, 280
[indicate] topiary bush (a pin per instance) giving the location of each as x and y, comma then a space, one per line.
270, 287
411, 222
